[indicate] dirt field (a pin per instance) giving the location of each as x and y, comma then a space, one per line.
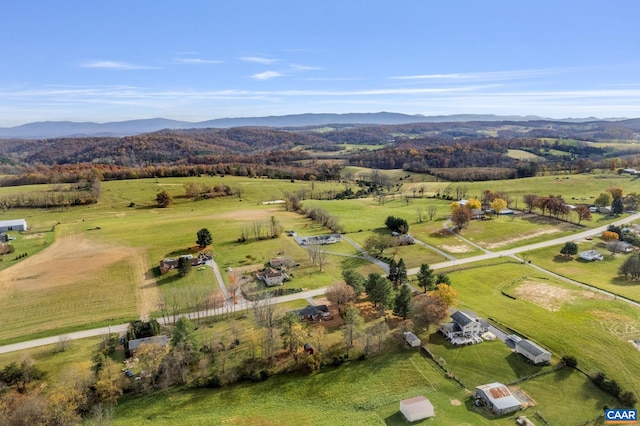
551, 297
458, 248
250, 214
521, 237
76, 258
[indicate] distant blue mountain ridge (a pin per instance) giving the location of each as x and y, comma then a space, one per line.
57, 129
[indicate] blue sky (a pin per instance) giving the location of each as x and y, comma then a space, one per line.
197, 60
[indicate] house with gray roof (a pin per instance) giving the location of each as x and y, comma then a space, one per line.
134, 344
591, 255
314, 313
532, 351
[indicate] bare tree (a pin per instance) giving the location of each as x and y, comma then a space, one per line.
420, 213
432, 211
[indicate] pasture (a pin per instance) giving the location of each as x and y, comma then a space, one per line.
580, 323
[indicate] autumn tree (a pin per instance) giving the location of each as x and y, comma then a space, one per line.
355, 280
609, 236
342, 295
616, 192
583, 213
428, 309
163, 199
461, 217
498, 205
474, 203
530, 201
292, 333
426, 279
204, 238
569, 249
402, 303
109, 383
446, 293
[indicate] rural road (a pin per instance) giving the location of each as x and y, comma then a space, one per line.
243, 305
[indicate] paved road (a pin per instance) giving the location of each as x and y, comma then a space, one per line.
121, 328
311, 293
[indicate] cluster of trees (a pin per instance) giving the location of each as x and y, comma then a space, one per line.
630, 269
626, 398
76, 194
197, 190
397, 224
323, 217
261, 230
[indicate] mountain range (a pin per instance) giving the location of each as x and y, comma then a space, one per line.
56, 129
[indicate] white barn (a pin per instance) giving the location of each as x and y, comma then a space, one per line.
498, 397
13, 225
416, 408
532, 351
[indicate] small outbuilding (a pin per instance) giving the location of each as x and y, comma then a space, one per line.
412, 339
591, 255
13, 225
416, 408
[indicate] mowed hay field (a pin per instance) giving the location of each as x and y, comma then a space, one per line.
566, 319
101, 268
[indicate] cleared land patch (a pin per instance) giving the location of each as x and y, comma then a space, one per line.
73, 282
457, 248
521, 237
551, 297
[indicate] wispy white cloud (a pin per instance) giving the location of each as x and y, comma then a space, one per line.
116, 65
197, 61
479, 76
267, 75
259, 59
297, 67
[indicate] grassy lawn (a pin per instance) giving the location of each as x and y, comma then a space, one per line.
601, 274
565, 319
551, 393
366, 392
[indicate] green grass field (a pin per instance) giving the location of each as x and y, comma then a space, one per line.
563, 318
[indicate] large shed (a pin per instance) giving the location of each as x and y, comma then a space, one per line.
532, 351
13, 225
416, 408
498, 397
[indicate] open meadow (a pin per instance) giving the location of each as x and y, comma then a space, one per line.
97, 266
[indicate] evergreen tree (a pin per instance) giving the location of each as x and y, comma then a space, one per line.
204, 238
393, 271
426, 280
401, 277
184, 266
402, 305
355, 280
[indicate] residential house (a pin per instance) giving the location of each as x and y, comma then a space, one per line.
170, 263
321, 239
272, 277
463, 324
416, 408
13, 225
314, 313
280, 262
160, 340
591, 255
497, 397
477, 214
532, 351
